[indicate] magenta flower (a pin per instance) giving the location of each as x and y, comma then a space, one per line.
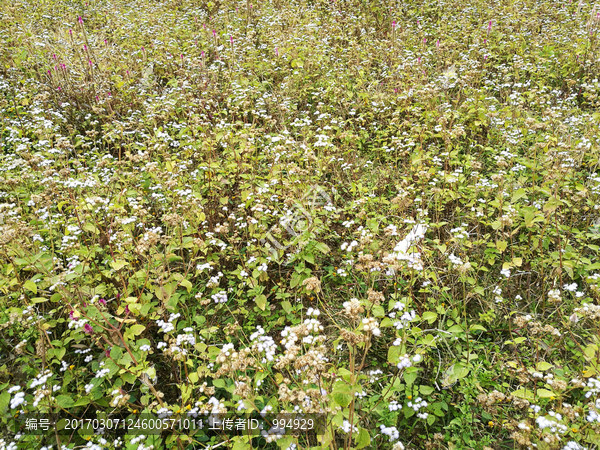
393, 24
102, 301
214, 33
80, 19
71, 32
276, 51
437, 44
231, 39
72, 315
88, 328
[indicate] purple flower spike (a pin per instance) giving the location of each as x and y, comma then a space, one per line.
80, 19
88, 328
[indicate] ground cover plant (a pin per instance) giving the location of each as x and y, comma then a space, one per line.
382, 214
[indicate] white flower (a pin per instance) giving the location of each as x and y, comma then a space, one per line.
347, 426
391, 432
404, 362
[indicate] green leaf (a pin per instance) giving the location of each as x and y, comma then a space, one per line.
410, 376
429, 316
363, 439
287, 306
187, 285
518, 194
523, 393
137, 329
544, 393
4, 401
118, 264
378, 311
30, 286
426, 390
454, 373
501, 245
64, 401
543, 366
393, 354
261, 301
342, 393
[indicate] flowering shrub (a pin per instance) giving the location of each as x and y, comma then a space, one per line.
386, 218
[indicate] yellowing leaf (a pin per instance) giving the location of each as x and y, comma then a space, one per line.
501, 245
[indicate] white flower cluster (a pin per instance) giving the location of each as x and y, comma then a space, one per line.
313, 312
594, 387
214, 280
168, 326
394, 406
77, 324
594, 414
391, 432
186, 338
552, 424
405, 319
554, 295
219, 297
349, 246
455, 260
264, 344
371, 325
117, 397
417, 405
347, 427
18, 399
41, 379
460, 232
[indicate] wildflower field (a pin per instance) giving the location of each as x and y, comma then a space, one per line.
359, 224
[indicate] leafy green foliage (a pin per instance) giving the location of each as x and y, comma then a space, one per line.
383, 214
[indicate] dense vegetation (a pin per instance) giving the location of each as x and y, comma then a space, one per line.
384, 212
